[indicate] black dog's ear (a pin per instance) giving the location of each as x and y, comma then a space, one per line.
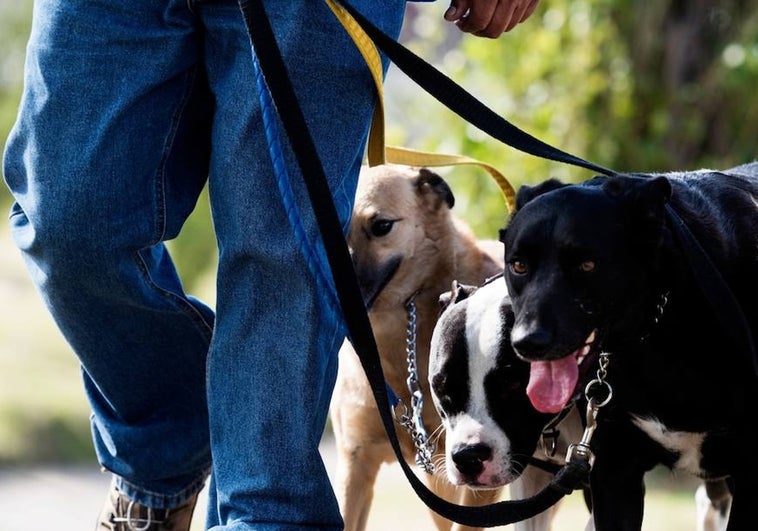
644, 196
429, 182
651, 199
526, 193
457, 293
644, 200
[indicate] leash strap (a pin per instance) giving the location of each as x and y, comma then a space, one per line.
458, 100
280, 88
715, 288
411, 157
377, 152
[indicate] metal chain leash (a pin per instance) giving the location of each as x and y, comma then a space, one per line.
582, 450
414, 424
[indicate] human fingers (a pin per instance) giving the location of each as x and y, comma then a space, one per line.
457, 9
522, 10
529, 10
504, 18
478, 18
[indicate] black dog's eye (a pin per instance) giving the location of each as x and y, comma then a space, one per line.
587, 266
381, 227
518, 267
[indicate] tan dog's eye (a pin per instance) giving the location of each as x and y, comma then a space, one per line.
588, 266
381, 227
518, 267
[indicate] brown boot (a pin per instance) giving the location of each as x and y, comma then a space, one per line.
122, 514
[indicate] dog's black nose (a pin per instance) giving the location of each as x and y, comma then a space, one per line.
469, 459
531, 342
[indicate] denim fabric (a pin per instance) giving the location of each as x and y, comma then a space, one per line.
129, 107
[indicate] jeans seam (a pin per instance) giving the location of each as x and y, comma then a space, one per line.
180, 303
160, 182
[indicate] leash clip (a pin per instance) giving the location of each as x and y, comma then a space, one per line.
582, 451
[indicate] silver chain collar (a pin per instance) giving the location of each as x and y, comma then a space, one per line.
414, 423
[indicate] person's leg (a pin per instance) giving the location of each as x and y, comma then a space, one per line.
107, 158
272, 363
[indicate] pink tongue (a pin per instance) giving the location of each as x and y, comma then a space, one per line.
551, 383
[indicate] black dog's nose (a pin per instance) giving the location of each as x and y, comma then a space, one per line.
469, 459
531, 342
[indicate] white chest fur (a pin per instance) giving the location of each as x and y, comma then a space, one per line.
687, 445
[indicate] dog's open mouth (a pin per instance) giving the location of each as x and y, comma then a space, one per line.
552, 383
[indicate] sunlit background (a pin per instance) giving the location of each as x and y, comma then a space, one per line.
637, 86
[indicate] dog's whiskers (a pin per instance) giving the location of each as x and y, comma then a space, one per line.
435, 436
438, 461
519, 463
440, 470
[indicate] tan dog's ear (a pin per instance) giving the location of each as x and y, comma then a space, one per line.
434, 189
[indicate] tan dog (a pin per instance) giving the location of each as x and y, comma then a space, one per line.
404, 241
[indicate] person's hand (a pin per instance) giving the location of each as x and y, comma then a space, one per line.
489, 18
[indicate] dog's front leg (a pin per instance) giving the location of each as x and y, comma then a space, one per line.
532, 481
742, 512
618, 495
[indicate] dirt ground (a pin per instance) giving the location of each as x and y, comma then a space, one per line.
69, 499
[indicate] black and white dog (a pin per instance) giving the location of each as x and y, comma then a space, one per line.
599, 267
478, 386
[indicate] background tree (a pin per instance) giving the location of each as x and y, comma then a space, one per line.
693, 62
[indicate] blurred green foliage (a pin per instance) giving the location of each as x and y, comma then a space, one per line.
636, 86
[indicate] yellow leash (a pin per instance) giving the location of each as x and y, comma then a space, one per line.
411, 157
377, 152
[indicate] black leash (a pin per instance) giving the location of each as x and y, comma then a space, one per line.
458, 100
353, 309
715, 288
450, 94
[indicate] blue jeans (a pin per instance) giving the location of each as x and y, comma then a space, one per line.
129, 107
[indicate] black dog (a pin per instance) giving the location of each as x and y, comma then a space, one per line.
478, 386
597, 267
